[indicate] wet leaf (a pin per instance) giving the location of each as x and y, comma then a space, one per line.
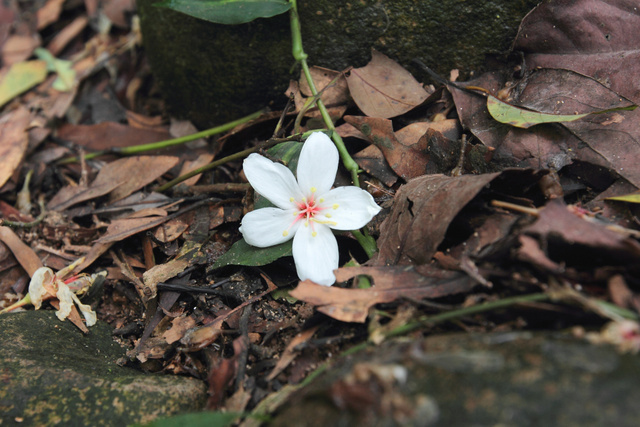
241, 253
21, 77
229, 12
383, 88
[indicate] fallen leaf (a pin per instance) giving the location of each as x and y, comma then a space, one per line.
179, 326
21, 77
596, 38
18, 48
390, 283
49, 13
335, 94
421, 213
120, 178
582, 240
107, 135
383, 88
291, 352
23, 253
68, 33
406, 161
15, 139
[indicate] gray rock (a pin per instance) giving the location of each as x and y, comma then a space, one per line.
52, 374
510, 379
215, 73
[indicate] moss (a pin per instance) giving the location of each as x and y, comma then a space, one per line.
212, 73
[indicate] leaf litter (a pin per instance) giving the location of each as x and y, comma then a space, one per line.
476, 211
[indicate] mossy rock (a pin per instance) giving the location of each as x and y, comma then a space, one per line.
214, 73
510, 379
52, 374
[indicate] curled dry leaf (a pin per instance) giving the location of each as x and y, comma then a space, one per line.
421, 213
407, 161
383, 88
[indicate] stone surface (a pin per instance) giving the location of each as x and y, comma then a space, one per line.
215, 73
52, 374
510, 379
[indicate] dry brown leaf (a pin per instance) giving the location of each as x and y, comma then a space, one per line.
120, 178
179, 326
407, 161
336, 94
390, 283
23, 253
107, 135
49, 13
15, 139
383, 88
19, 48
60, 41
290, 352
120, 229
421, 213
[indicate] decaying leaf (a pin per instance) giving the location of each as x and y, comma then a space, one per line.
119, 178
14, 137
408, 161
390, 283
383, 88
421, 213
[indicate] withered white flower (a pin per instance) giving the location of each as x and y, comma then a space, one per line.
46, 284
307, 208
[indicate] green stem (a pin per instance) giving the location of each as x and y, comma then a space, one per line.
170, 142
239, 155
301, 56
466, 311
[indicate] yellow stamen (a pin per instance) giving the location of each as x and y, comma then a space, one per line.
335, 206
314, 234
328, 215
313, 189
321, 200
306, 223
285, 233
291, 199
304, 200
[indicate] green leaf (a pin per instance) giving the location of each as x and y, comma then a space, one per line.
197, 419
242, 253
523, 118
21, 77
630, 198
66, 75
288, 152
228, 12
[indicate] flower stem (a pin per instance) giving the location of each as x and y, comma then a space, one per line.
300, 56
169, 142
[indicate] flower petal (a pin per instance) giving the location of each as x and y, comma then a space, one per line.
272, 180
318, 164
348, 208
316, 256
266, 227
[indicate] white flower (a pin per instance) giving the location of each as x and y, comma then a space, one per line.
307, 209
